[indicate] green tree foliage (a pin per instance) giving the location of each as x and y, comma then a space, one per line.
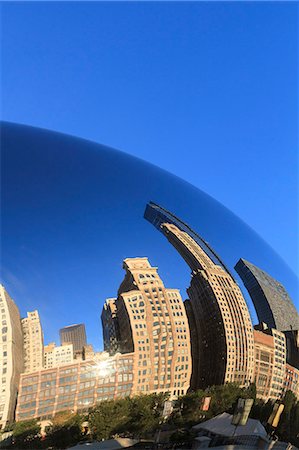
25, 433
295, 424
261, 410
129, 416
108, 418
286, 423
187, 409
225, 397
250, 392
65, 430
288, 426
146, 412
141, 416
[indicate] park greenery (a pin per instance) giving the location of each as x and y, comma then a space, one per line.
141, 417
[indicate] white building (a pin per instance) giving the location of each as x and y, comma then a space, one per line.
33, 342
11, 356
57, 356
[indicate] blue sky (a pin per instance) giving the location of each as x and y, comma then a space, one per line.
205, 90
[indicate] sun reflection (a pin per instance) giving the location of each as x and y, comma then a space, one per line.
104, 368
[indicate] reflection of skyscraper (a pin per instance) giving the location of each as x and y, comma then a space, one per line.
270, 362
11, 356
224, 349
271, 300
74, 334
109, 326
152, 323
33, 342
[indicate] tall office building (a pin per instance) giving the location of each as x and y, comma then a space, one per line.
270, 362
76, 335
152, 324
109, 326
11, 356
291, 382
264, 364
272, 302
57, 356
74, 387
224, 347
292, 339
33, 342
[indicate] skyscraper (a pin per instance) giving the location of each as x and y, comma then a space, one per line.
152, 324
109, 326
11, 356
76, 335
272, 302
33, 342
223, 350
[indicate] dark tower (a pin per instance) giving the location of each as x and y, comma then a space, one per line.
272, 302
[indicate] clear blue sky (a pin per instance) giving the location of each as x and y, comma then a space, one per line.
205, 90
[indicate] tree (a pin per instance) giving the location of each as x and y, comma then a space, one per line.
26, 432
224, 397
285, 425
250, 392
65, 430
129, 416
146, 413
295, 425
261, 410
187, 410
109, 417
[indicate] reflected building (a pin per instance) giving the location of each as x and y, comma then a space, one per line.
292, 339
270, 362
57, 356
33, 342
109, 326
152, 323
99, 201
75, 335
223, 350
74, 387
291, 382
88, 352
11, 357
272, 302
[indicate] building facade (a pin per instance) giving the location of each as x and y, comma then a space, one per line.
224, 347
74, 387
270, 362
11, 356
291, 382
75, 335
110, 326
88, 352
152, 323
58, 356
264, 363
272, 302
33, 342
292, 340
